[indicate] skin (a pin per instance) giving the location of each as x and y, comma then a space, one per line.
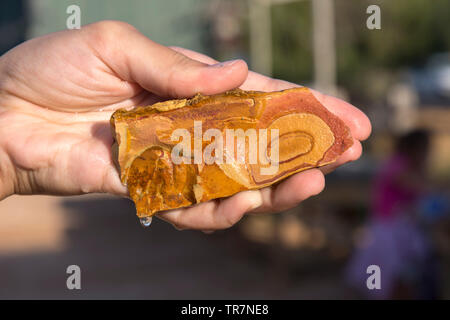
57, 93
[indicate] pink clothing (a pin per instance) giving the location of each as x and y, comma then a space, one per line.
389, 198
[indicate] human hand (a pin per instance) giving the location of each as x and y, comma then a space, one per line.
58, 92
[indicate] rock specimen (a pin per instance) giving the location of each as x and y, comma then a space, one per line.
181, 152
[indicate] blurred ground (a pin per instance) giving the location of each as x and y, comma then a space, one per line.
120, 259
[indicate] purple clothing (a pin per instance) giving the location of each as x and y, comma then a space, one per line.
393, 239
389, 198
397, 246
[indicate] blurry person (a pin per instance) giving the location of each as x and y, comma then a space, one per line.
394, 239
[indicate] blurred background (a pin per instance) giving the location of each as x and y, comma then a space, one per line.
389, 208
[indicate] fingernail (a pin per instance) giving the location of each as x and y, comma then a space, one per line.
224, 64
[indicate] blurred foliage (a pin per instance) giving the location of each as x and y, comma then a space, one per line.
411, 30
166, 22
292, 41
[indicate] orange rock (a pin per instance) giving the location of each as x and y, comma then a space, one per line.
181, 152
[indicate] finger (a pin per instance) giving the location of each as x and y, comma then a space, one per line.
357, 121
203, 58
259, 82
214, 215
159, 69
290, 192
254, 81
352, 154
354, 118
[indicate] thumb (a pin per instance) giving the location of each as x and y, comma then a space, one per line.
161, 70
